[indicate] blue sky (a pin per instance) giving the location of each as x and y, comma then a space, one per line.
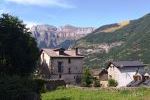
75, 12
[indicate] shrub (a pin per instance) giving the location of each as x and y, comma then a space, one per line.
41, 85
96, 83
112, 83
61, 87
87, 78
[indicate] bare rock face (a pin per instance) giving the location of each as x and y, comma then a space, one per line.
45, 35
73, 32
48, 36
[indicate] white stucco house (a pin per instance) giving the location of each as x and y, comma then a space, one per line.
123, 71
62, 64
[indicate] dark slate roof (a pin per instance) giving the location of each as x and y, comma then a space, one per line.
127, 63
139, 83
135, 83
146, 83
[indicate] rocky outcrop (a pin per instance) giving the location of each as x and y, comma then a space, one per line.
50, 36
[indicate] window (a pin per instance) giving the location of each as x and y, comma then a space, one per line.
69, 70
59, 75
69, 60
60, 67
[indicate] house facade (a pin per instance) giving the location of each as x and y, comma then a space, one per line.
124, 71
62, 64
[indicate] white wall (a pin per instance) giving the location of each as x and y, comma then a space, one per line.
127, 75
123, 75
46, 58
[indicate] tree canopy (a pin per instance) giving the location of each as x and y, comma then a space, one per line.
18, 49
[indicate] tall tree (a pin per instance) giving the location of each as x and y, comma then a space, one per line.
18, 50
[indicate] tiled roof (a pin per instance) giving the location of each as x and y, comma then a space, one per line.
67, 53
127, 63
139, 83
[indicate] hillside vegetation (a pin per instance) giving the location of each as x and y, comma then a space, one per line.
134, 38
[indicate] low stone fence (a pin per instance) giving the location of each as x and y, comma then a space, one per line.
53, 84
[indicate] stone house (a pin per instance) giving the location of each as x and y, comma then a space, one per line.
103, 77
125, 71
61, 64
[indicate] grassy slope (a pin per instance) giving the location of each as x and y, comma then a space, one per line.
88, 94
136, 36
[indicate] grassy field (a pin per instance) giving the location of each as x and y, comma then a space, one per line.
101, 94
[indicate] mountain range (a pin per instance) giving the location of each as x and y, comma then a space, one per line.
129, 40
49, 36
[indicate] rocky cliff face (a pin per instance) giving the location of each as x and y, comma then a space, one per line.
48, 36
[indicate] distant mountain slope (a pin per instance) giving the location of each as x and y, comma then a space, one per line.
48, 36
130, 42
111, 27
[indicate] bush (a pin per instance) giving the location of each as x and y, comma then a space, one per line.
87, 78
41, 85
112, 83
61, 87
96, 83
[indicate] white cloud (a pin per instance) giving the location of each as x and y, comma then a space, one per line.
4, 10
30, 23
1, 11
50, 3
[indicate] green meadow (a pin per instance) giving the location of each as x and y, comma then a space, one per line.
97, 94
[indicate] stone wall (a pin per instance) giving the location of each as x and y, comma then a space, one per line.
72, 68
53, 84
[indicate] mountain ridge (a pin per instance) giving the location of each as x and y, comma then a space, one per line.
49, 36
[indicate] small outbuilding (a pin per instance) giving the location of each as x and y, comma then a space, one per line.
125, 71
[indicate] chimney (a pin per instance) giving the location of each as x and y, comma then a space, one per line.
76, 51
61, 51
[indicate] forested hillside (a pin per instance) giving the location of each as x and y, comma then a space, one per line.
130, 42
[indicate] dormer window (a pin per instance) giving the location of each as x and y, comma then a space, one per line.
146, 76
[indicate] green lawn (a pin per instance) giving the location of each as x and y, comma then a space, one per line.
101, 94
